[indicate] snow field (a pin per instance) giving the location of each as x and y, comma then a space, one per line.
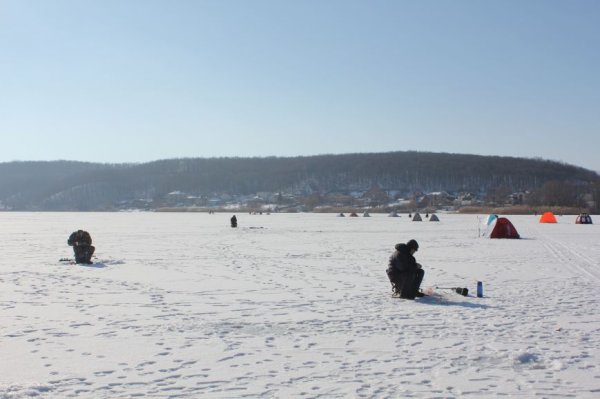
295, 305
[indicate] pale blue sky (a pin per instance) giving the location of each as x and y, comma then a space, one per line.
134, 81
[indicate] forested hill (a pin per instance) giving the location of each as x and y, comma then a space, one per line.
68, 185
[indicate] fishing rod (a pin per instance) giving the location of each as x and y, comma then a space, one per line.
459, 290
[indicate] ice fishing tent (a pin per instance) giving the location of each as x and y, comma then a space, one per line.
491, 218
502, 228
417, 218
434, 218
393, 215
583, 218
353, 215
548, 217
341, 215
366, 215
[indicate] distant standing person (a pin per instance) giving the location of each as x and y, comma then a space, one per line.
233, 221
81, 241
404, 272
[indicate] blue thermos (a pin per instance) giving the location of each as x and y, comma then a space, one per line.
479, 289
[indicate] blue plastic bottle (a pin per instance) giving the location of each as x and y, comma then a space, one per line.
479, 289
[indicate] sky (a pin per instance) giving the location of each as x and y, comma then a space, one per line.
140, 80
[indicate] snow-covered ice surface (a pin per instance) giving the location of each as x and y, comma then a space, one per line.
295, 305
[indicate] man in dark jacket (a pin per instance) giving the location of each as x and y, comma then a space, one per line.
404, 272
81, 241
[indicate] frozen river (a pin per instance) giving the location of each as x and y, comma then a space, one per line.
180, 305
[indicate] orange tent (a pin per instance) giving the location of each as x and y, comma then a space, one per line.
548, 217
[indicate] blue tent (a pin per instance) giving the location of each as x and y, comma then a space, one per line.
491, 218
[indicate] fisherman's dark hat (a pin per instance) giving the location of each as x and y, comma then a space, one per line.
412, 244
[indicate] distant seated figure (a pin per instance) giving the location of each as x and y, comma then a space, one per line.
81, 241
233, 221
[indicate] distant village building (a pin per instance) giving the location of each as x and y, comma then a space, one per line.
464, 199
518, 198
176, 198
434, 200
588, 199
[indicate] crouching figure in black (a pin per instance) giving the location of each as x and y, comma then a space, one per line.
81, 241
404, 272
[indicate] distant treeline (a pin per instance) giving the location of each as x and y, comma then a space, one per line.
68, 185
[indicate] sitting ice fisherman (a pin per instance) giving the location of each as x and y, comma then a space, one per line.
404, 272
81, 241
